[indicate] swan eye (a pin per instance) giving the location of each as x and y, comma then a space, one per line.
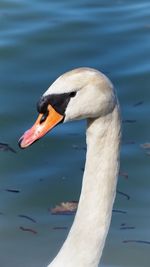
72, 94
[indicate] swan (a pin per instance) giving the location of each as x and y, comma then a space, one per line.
85, 93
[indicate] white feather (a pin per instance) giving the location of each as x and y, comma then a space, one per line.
96, 101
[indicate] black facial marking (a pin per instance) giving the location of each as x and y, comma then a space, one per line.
58, 101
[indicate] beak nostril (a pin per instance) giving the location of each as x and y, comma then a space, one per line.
44, 116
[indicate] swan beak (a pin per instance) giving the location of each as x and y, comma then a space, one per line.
41, 127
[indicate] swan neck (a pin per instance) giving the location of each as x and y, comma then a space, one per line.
84, 244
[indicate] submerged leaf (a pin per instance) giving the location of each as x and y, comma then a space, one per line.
65, 208
60, 228
137, 241
12, 190
123, 174
28, 230
123, 194
6, 147
27, 217
129, 121
119, 211
138, 104
145, 145
126, 227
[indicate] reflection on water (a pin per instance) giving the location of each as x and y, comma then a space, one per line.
38, 42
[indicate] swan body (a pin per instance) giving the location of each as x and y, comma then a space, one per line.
85, 93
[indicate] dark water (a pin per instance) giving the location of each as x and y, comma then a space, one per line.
39, 40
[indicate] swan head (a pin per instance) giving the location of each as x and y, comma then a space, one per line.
77, 94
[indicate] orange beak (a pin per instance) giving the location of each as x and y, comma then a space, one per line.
40, 128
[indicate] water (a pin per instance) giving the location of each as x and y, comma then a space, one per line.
39, 40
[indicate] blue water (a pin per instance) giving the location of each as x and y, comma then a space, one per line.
39, 40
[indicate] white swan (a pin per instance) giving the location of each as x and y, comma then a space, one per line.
78, 94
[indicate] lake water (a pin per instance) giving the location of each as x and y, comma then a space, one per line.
39, 40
